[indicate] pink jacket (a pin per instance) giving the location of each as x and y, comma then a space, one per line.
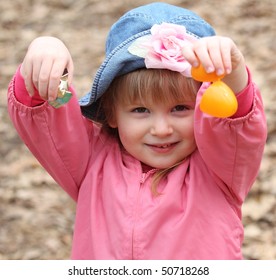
198, 215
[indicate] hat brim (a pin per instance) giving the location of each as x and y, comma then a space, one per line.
123, 33
117, 63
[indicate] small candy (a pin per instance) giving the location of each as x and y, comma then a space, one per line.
63, 95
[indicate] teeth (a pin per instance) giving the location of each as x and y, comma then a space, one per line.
161, 146
165, 146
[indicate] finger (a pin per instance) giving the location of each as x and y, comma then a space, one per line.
54, 79
70, 69
43, 77
190, 56
235, 57
202, 52
216, 51
26, 72
36, 66
226, 46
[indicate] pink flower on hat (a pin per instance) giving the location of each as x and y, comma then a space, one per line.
163, 48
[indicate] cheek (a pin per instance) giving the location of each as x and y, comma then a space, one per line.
123, 136
189, 128
126, 135
130, 136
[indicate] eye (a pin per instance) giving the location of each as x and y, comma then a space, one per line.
180, 108
140, 110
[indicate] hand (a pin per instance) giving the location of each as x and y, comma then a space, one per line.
221, 55
44, 64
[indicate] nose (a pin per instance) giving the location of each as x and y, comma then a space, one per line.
161, 127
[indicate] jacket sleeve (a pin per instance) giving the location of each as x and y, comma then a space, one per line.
232, 148
58, 138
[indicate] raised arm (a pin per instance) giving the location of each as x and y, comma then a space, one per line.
232, 148
58, 138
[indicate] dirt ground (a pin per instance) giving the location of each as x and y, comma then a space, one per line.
36, 217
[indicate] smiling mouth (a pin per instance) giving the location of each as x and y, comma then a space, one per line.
165, 147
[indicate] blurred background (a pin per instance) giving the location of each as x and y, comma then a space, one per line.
36, 216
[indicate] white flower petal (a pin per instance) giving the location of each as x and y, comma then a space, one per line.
138, 47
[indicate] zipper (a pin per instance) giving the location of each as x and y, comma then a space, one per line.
142, 181
143, 178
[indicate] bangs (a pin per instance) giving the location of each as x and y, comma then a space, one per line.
147, 86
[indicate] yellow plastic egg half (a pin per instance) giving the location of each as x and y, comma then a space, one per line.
200, 74
219, 100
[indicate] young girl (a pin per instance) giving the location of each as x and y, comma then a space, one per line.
153, 176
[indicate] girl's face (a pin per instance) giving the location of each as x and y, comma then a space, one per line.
158, 134
153, 112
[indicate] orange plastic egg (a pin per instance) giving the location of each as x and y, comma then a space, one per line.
199, 74
219, 101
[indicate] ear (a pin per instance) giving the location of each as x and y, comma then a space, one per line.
113, 123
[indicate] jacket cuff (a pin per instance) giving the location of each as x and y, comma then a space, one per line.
245, 98
21, 93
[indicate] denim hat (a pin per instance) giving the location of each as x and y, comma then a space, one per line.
131, 26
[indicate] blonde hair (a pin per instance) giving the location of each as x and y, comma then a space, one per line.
147, 86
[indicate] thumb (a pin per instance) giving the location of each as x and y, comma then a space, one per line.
70, 70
